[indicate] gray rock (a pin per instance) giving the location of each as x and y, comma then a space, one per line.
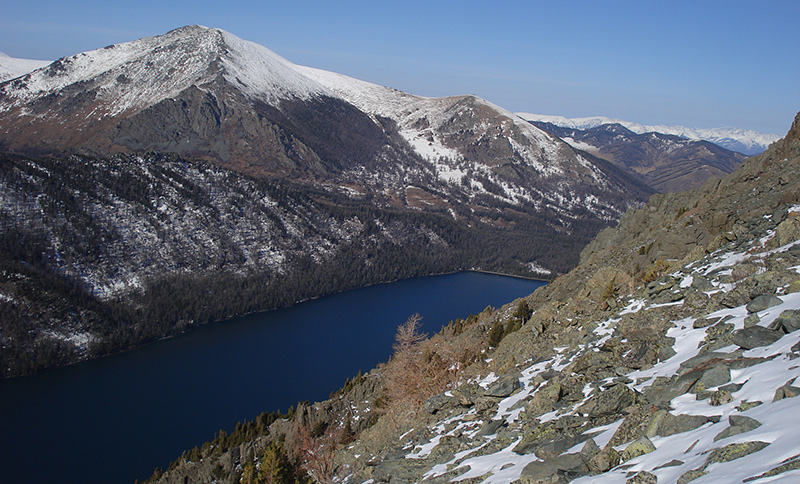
762, 302
703, 323
611, 401
701, 283
739, 424
438, 402
467, 394
786, 391
735, 451
605, 460
754, 337
731, 387
699, 359
788, 321
661, 395
715, 376
638, 447
589, 450
751, 320
490, 427
676, 424
561, 469
691, 475
503, 387
642, 477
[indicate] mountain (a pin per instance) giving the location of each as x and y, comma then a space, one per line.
744, 141
11, 67
665, 162
151, 186
669, 354
204, 93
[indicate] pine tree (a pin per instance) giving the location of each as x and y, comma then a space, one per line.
275, 466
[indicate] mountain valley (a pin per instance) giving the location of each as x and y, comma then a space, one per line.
669, 354
153, 186
179, 164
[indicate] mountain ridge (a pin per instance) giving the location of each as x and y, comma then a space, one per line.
130, 149
745, 141
665, 162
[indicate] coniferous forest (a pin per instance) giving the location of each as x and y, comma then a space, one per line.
99, 255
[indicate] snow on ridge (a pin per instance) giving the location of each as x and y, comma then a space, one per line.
137, 74
749, 139
261, 73
11, 67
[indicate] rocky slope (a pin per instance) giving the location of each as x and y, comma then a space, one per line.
668, 355
667, 163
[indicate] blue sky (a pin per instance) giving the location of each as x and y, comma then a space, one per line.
700, 64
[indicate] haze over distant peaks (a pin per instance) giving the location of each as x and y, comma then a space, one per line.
744, 141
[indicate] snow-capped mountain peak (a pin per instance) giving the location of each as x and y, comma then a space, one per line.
130, 76
744, 141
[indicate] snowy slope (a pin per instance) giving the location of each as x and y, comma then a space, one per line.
742, 140
205, 93
422, 119
11, 67
130, 76
677, 454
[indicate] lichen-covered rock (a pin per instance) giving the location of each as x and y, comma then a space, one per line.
788, 321
691, 475
642, 477
603, 461
735, 451
636, 448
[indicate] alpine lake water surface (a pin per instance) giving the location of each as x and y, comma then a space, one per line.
115, 419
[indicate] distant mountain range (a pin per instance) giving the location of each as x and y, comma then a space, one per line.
666, 162
744, 141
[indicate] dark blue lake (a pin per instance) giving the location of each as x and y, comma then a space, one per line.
114, 420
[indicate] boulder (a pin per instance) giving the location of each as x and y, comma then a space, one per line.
762, 302
754, 337
788, 321
611, 401
605, 460
636, 448
502, 387
642, 477
786, 391
490, 427
739, 424
735, 451
676, 424
438, 402
691, 475
715, 376
561, 469
701, 283
589, 450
